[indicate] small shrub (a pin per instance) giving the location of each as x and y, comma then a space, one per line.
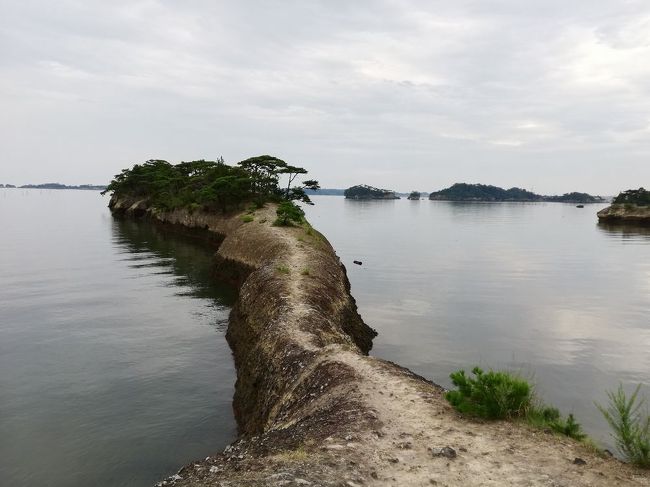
492, 395
630, 425
501, 395
305, 271
283, 269
546, 417
568, 427
247, 218
288, 213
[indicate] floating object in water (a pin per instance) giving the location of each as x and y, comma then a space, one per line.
580, 206
357, 262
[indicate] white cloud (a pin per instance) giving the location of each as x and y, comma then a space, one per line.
489, 90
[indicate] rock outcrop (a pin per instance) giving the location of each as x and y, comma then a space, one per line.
314, 409
625, 213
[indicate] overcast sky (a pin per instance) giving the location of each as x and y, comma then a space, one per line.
550, 95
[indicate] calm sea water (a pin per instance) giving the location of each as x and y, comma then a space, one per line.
539, 289
114, 369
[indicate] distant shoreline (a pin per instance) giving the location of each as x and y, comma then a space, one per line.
83, 187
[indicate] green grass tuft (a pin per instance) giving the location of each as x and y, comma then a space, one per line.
283, 269
630, 425
247, 218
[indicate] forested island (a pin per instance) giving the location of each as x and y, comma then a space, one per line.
631, 206
365, 192
215, 186
414, 195
484, 192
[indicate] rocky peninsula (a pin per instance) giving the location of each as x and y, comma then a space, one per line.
632, 206
314, 409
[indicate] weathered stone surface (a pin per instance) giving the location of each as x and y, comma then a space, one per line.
625, 213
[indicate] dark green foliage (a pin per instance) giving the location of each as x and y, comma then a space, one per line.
365, 192
630, 425
569, 427
483, 192
210, 185
491, 395
415, 195
639, 197
501, 395
546, 417
574, 198
288, 213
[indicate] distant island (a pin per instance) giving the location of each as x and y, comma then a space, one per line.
631, 206
484, 192
414, 195
365, 192
91, 187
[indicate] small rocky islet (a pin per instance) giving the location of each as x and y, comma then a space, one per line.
631, 206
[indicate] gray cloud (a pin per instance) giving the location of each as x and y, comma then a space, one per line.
550, 95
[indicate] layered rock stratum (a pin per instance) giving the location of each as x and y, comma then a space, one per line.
314, 409
622, 213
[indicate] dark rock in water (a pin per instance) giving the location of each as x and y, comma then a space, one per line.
357, 262
446, 451
580, 206
579, 461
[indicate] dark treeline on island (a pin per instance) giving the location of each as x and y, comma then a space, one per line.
365, 192
639, 197
90, 187
465, 192
631, 206
215, 185
483, 192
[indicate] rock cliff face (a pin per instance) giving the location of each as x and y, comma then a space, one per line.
314, 409
625, 213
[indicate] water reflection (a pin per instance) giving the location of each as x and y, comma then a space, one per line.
115, 370
626, 231
149, 247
